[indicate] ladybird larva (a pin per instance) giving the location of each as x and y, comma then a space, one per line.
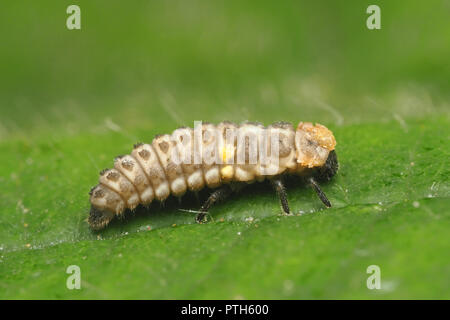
224, 158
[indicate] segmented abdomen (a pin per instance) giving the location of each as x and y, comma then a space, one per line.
173, 164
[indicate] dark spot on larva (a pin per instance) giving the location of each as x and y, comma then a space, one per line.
99, 193
144, 154
284, 148
161, 168
113, 176
128, 164
171, 168
282, 125
92, 190
208, 135
119, 157
139, 179
112, 199
124, 187
154, 173
164, 146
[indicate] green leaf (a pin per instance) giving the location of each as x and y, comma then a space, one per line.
390, 202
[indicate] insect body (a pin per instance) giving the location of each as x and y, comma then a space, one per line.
223, 158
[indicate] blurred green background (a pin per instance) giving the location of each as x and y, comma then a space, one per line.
71, 100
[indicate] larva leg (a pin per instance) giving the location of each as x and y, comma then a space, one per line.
281, 191
218, 195
319, 192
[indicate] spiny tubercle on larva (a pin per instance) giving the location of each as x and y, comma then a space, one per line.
207, 156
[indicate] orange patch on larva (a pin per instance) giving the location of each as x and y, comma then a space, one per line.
321, 134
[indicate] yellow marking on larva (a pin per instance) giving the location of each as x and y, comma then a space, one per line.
226, 172
224, 154
227, 153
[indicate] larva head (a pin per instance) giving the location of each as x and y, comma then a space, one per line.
314, 144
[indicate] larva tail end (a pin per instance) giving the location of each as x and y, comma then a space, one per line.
99, 218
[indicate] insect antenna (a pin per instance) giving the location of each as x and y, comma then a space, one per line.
319, 192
